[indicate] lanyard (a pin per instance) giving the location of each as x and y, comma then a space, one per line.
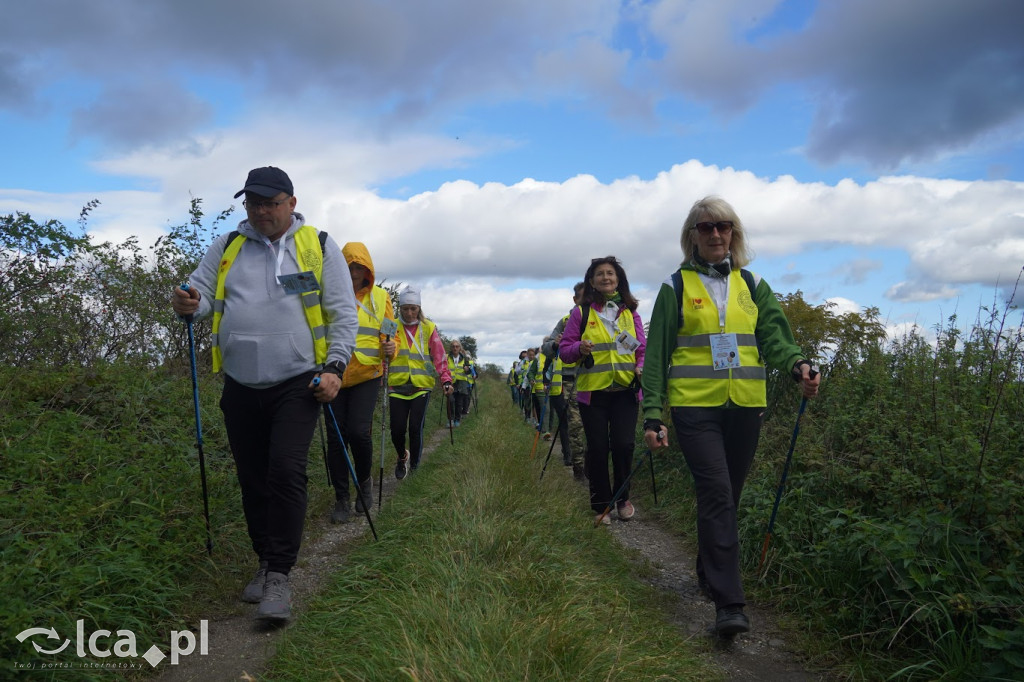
279, 252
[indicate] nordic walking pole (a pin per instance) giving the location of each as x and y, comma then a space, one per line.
552, 448
387, 327
199, 429
323, 444
451, 427
782, 481
348, 461
654, 486
622, 489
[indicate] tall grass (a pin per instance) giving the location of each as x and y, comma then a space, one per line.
482, 573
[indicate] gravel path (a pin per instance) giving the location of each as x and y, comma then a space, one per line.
239, 646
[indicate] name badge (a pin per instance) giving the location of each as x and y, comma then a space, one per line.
725, 351
299, 282
626, 344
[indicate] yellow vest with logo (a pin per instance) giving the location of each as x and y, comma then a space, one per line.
538, 377
692, 379
413, 365
371, 315
310, 257
610, 366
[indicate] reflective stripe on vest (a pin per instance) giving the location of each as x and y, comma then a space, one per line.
307, 248
610, 366
367, 350
413, 366
692, 379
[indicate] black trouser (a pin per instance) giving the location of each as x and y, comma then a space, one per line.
461, 399
353, 408
718, 444
270, 430
408, 415
609, 424
560, 409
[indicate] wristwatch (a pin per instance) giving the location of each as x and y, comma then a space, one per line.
337, 368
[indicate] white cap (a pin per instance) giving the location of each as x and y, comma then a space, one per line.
409, 296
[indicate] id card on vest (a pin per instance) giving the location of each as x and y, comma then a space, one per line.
299, 282
626, 344
725, 351
388, 327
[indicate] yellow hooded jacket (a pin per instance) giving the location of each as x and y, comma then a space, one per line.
369, 298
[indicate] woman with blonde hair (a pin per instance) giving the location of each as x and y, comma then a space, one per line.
714, 327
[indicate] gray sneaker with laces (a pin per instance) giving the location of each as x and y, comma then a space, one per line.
253, 592
277, 598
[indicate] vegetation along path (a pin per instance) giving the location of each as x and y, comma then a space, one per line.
482, 573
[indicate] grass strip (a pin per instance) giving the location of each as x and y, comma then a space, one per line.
482, 573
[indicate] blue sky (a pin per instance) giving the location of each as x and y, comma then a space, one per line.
486, 151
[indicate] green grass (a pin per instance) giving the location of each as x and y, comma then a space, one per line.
481, 573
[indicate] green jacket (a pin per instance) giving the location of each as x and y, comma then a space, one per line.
774, 338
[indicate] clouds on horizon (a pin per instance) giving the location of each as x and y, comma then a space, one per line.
885, 83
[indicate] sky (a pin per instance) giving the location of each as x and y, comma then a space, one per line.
485, 152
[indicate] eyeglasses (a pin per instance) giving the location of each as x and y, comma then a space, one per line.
723, 227
260, 205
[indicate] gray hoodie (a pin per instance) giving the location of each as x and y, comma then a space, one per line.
264, 336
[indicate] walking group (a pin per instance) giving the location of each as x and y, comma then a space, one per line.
701, 365
295, 337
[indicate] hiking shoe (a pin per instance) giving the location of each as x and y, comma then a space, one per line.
402, 468
547, 435
277, 598
705, 589
602, 519
625, 509
364, 501
730, 620
253, 592
578, 473
341, 512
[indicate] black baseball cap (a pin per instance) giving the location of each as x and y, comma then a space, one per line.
267, 182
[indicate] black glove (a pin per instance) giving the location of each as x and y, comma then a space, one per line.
655, 425
798, 374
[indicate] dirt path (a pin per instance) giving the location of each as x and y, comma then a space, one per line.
239, 646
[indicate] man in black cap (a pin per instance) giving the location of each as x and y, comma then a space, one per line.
283, 311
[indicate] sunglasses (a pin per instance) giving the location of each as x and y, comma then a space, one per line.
723, 227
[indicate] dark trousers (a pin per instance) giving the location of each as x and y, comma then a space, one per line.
353, 408
408, 415
719, 445
270, 430
560, 412
461, 403
609, 424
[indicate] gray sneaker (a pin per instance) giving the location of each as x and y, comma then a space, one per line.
367, 494
253, 592
277, 598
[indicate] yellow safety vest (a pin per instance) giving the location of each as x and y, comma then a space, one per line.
610, 366
568, 368
556, 377
371, 315
413, 365
538, 378
692, 379
458, 369
310, 257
